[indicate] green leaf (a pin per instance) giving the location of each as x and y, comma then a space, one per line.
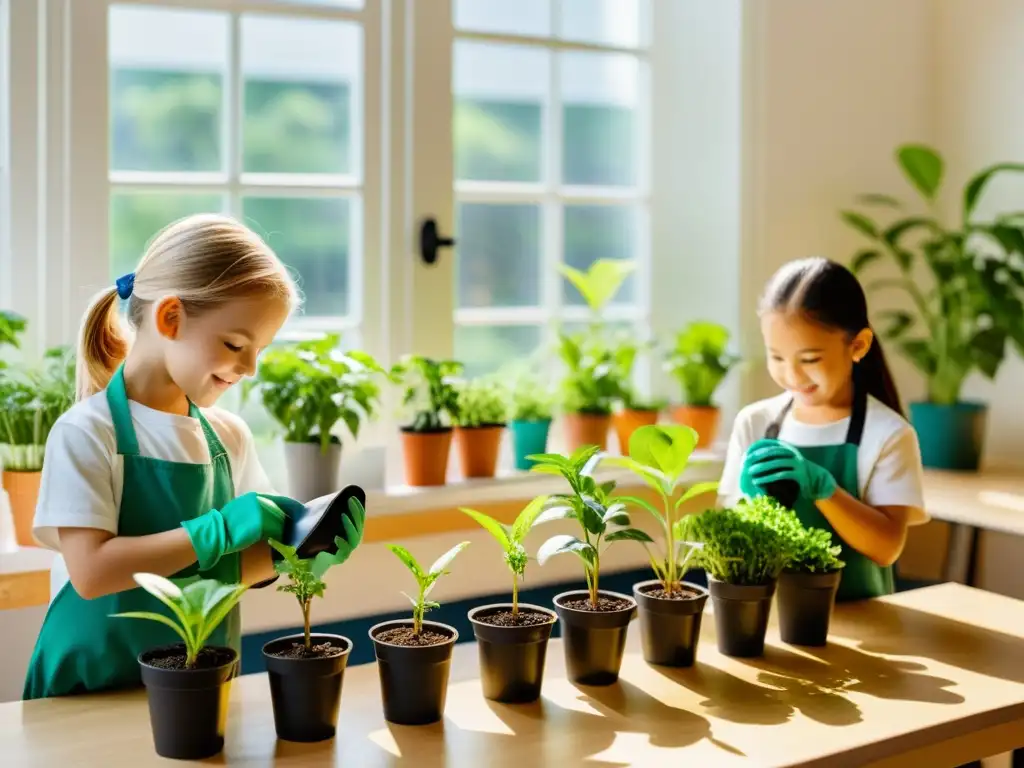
922, 166
653, 477
899, 322
410, 562
874, 198
988, 348
665, 448
559, 512
167, 592
527, 518
643, 503
920, 353
154, 617
974, 188
444, 560
600, 282
224, 605
861, 223
591, 514
695, 490
496, 529
561, 544
862, 259
629, 534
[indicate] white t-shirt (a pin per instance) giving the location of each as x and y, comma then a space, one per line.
889, 466
83, 474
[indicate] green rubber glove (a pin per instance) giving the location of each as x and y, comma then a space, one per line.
769, 461
352, 523
242, 522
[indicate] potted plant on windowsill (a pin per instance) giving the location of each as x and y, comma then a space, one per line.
430, 391
479, 424
414, 656
187, 684
308, 388
531, 411
743, 558
512, 638
592, 378
634, 412
808, 584
32, 399
670, 611
965, 320
595, 622
700, 360
306, 671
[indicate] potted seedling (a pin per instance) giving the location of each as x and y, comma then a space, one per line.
308, 388
594, 621
413, 655
306, 671
808, 585
32, 398
670, 611
700, 360
592, 378
531, 412
431, 394
512, 638
187, 684
743, 558
481, 413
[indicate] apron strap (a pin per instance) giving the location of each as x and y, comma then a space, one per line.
859, 414
212, 441
124, 428
772, 433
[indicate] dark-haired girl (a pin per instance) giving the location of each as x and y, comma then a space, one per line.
836, 436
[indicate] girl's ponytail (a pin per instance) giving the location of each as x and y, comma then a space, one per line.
102, 345
873, 373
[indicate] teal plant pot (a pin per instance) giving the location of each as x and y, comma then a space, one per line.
951, 436
528, 438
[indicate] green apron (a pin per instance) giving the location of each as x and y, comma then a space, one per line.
82, 649
862, 577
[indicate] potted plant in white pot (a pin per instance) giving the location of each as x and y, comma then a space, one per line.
481, 414
512, 638
962, 322
187, 684
308, 388
700, 360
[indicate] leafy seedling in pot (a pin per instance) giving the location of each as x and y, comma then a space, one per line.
425, 580
511, 540
659, 456
199, 607
305, 575
592, 506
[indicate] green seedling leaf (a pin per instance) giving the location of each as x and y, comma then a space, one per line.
492, 526
527, 518
159, 617
695, 490
923, 167
408, 560
629, 534
664, 448
560, 512
445, 560
562, 544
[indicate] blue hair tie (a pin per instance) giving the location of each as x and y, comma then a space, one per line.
125, 285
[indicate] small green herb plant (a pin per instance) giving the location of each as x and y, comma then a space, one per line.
198, 608
603, 520
659, 455
12, 325
811, 549
700, 360
309, 386
481, 403
32, 398
430, 391
511, 540
737, 548
531, 400
305, 575
425, 580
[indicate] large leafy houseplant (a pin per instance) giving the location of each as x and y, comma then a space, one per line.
699, 360
964, 320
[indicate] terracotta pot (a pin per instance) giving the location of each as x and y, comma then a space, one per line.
626, 422
586, 429
478, 449
426, 456
23, 490
703, 419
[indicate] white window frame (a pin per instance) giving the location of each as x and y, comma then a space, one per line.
6, 277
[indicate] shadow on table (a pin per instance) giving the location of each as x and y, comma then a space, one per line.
727, 697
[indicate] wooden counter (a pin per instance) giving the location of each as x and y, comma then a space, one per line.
933, 677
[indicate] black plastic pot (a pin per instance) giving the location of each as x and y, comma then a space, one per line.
593, 641
669, 629
741, 616
306, 693
188, 708
805, 606
413, 680
511, 658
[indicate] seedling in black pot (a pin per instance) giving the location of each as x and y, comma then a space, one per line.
414, 656
187, 684
512, 639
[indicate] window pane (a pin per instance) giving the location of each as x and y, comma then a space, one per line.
500, 91
600, 93
607, 22
302, 85
313, 236
167, 89
498, 255
485, 349
595, 232
521, 17
137, 217
335, 3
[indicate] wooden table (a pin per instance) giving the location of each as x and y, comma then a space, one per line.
932, 677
